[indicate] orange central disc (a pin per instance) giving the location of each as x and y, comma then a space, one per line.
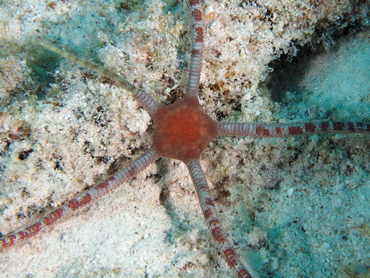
183, 130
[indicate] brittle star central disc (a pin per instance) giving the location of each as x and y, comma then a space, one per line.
183, 130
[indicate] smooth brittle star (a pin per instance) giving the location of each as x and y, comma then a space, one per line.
182, 131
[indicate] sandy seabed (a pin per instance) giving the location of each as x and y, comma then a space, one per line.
294, 207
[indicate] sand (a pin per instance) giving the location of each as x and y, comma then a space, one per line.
293, 207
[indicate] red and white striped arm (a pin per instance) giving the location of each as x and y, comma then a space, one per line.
142, 97
86, 198
214, 226
146, 101
197, 47
292, 130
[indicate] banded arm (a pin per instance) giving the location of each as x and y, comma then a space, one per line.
88, 197
197, 47
292, 130
142, 97
211, 218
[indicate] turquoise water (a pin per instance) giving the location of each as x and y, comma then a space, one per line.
294, 207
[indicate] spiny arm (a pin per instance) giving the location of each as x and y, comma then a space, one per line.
142, 97
214, 226
256, 130
88, 197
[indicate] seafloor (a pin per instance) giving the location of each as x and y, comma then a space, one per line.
296, 207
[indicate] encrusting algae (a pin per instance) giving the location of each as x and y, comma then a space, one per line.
294, 206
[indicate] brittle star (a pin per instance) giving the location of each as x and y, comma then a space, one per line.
182, 131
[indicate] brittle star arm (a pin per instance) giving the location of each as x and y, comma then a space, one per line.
142, 97
256, 130
197, 47
211, 218
84, 199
